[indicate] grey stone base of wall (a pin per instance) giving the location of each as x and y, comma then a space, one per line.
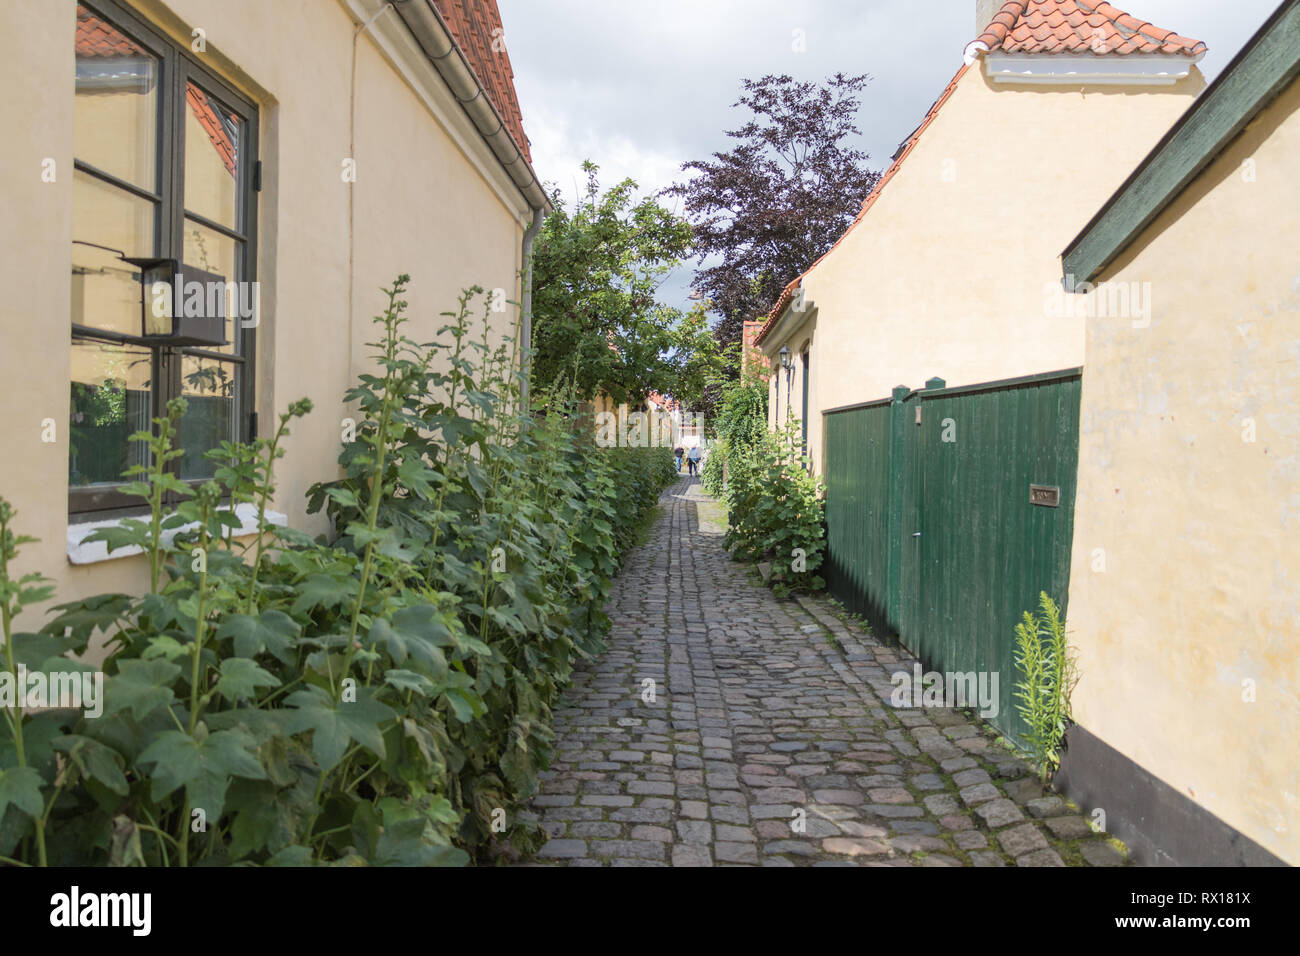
1161, 826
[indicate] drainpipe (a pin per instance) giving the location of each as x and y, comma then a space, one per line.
526, 321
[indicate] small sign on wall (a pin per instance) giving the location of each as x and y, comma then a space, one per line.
1049, 496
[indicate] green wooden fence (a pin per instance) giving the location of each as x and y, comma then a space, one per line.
932, 532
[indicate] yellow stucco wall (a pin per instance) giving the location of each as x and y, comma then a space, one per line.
785, 389
419, 205
1198, 527
945, 275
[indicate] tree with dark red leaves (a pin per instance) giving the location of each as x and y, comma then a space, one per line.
780, 198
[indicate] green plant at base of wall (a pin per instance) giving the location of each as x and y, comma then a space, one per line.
714, 470
1048, 677
382, 695
776, 510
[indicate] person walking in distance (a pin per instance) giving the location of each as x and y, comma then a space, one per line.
693, 459
677, 453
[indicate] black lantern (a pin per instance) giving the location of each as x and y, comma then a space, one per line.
180, 305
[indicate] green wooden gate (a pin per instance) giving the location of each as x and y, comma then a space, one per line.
932, 532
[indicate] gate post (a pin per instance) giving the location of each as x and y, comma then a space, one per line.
897, 475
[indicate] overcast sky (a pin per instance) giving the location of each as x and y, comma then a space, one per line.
642, 87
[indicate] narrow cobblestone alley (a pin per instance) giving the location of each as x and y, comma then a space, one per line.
764, 708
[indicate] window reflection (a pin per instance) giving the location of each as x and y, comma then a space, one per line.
212, 143
115, 120
110, 402
209, 388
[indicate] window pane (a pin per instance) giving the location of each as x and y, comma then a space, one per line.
212, 143
210, 386
106, 290
110, 401
115, 124
212, 252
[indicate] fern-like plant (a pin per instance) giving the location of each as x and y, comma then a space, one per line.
1048, 676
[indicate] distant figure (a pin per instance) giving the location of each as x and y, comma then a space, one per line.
677, 453
693, 459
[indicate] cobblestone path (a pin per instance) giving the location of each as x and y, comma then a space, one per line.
764, 708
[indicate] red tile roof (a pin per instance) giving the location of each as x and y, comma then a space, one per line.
97, 38
1078, 26
476, 27
207, 116
1026, 26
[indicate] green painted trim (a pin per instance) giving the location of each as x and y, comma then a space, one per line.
1040, 378
932, 391
1264, 67
875, 403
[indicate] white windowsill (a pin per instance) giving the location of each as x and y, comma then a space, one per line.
82, 552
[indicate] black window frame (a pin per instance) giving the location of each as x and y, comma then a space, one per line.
178, 67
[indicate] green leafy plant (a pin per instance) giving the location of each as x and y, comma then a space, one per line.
381, 694
598, 264
713, 474
776, 510
1048, 676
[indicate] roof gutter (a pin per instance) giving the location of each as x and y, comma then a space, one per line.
788, 320
432, 33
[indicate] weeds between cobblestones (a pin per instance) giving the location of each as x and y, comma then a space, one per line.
763, 708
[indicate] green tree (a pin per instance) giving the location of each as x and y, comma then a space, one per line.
596, 268
697, 360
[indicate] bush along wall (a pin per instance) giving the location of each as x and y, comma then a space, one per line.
776, 510
379, 695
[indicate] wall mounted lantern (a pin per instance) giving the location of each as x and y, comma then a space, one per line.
180, 305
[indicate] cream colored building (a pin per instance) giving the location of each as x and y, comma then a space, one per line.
950, 268
1185, 573
318, 149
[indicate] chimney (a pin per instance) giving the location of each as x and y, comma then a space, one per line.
985, 11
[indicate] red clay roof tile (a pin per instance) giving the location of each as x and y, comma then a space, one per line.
97, 38
1078, 26
1027, 26
476, 27
207, 117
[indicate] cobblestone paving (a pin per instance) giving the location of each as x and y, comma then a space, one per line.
764, 708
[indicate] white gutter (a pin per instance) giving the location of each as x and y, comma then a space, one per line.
1134, 69
973, 50
432, 33
787, 322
